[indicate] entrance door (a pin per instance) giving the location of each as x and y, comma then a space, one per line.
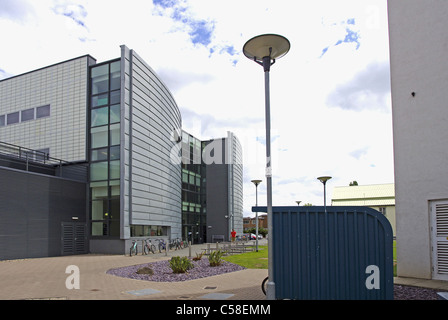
439, 230
74, 238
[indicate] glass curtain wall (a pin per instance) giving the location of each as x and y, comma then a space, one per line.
104, 149
193, 180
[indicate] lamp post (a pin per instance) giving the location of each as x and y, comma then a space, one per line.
298, 202
324, 180
264, 50
256, 183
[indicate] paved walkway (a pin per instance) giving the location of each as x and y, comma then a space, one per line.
45, 278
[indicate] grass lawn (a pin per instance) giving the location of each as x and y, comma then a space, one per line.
251, 260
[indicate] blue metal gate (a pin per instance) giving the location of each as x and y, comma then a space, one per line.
337, 253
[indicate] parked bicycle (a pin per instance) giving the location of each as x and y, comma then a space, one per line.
149, 247
162, 245
134, 249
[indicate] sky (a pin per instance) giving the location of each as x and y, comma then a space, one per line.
330, 95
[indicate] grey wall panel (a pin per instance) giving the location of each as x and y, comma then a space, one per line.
32, 207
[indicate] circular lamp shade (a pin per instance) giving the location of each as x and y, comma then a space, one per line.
324, 179
258, 47
256, 182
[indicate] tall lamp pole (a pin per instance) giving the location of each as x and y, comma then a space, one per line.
256, 183
324, 180
264, 50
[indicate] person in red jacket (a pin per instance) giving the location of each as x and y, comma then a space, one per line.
233, 234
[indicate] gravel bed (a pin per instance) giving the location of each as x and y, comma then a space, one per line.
202, 269
414, 293
164, 273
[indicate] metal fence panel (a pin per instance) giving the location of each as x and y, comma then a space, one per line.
337, 253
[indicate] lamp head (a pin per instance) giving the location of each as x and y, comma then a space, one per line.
324, 179
256, 182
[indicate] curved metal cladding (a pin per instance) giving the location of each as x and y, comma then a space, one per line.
152, 182
338, 253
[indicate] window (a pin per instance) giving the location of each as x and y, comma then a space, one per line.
99, 137
100, 116
98, 171
42, 112
115, 134
13, 118
99, 154
99, 100
27, 115
2, 121
115, 113
100, 79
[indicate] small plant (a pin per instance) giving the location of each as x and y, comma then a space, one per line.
145, 270
180, 265
215, 258
198, 256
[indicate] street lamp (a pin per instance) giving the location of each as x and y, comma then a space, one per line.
298, 202
264, 49
256, 183
324, 180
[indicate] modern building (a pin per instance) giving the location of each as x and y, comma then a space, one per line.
223, 163
418, 62
380, 197
119, 121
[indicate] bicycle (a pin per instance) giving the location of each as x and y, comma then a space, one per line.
134, 248
162, 245
264, 285
149, 247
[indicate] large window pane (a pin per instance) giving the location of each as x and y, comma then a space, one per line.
99, 100
100, 116
2, 121
99, 154
115, 113
115, 134
115, 97
115, 153
99, 137
100, 79
114, 170
99, 229
98, 171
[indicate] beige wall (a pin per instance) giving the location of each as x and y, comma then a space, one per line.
418, 56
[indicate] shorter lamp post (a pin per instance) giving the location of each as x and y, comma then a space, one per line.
256, 183
324, 180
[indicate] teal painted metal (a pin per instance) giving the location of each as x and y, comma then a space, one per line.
339, 253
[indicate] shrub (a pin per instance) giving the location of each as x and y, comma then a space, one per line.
180, 265
215, 258
198, 256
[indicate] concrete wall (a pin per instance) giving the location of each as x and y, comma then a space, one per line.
418, 47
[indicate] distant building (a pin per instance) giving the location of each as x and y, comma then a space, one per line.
380, 197
250, 222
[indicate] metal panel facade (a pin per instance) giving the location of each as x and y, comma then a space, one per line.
337, 253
